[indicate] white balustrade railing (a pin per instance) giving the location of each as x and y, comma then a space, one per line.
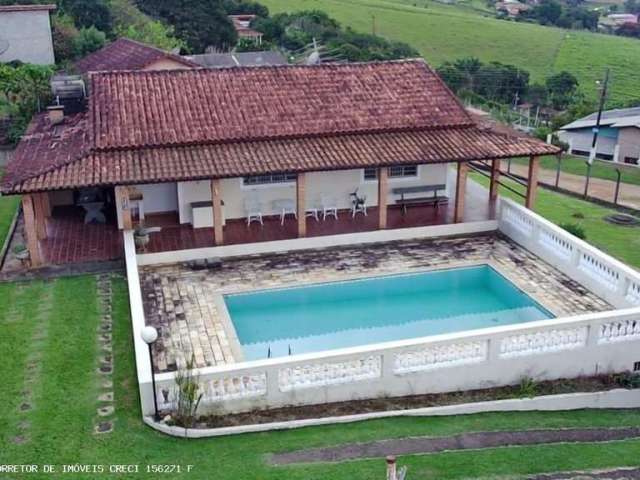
440, 356
324, 374
545, 341
619, 331
607, 277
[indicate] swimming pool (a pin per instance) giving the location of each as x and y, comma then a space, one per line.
333, 315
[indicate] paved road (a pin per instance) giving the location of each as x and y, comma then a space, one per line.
599, 188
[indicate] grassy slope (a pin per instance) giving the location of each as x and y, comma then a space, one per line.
8, 207
442, 32
619, 241
64, 414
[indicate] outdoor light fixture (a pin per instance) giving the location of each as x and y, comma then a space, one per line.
149, 335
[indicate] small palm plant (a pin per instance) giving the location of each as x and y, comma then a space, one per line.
187, 394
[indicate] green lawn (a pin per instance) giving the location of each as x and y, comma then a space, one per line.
53, 325
577, 166
619, 241
8, 207
448, 32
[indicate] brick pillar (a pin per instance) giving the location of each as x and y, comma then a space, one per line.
532, 184
301, 205
495, 177
383, 192
30, 230
216, 201
461, 188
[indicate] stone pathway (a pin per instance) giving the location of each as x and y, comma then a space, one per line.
181, 302
106, 409
466, 441
33, 362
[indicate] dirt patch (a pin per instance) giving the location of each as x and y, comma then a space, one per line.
466, 441
337, 409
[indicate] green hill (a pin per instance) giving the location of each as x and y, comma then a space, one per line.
447, 32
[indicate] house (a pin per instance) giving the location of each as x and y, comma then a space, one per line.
238, 59
512, 8
615, 20
127, 54
618, 136
25, 34
231, 155
242, 25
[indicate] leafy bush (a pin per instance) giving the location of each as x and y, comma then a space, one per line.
527, 387
575, 230
64, 34
627, 379
89, 40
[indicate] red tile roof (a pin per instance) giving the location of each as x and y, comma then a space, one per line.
135, 109
126, 54
191, 124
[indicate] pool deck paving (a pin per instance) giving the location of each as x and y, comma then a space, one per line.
184, 303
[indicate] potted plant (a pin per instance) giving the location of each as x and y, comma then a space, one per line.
141, 235
21, 252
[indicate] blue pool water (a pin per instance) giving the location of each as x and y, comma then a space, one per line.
373, 310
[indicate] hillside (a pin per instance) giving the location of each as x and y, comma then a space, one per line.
446, 32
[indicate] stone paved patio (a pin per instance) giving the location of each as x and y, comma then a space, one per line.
181, 301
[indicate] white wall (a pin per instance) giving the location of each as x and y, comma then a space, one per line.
29, 37
159, 197
582, 141
336, 184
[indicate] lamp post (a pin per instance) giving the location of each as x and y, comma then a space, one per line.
149, 335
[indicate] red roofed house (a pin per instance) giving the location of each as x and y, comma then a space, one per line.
242, 25
127, 54
227, 156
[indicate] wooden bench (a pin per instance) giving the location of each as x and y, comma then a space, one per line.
434, 199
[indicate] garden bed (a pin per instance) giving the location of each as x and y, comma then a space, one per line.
526, 389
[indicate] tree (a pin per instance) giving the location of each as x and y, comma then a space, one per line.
153, 33
245, 7
547, 12
89, 40
200, 23
562, 88
89, 13
64, 34
632, 6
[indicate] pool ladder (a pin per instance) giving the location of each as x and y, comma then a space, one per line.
269, 351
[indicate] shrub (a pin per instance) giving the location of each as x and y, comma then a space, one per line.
627, 379
186, 394
575, 230
527, 387
89, 40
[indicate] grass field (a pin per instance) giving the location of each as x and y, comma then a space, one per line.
447, 32
577, 166
619, 241
8, 206
52, 325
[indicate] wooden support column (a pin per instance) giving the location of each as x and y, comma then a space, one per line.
41, 215
495, 177
532, 183
123, 203
216, 201
301, 205
461, 190
383, 193
30, 230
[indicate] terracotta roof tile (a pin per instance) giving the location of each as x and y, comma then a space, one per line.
138, 109
126, 54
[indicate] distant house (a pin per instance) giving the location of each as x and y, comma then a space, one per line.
512, 8
25, 34
127, 54
618, 136
242, 25
240, 59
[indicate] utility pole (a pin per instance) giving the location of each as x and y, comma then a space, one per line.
596, 129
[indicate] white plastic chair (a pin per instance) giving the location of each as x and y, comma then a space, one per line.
329, 207
253, 210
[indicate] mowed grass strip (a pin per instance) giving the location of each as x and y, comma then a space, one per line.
449, 32
62, 423
8, 207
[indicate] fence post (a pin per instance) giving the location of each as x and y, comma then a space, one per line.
615, 198
391, 468
558, 171
586, 180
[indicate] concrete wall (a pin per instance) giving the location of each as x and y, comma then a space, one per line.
29, 37
581, 140
159, 197
337, 184
629, 141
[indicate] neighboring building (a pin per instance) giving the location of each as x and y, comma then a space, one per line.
238, 59
512, 8
25, 34
127, 54
615, 20
222, 147
618, 136
242, 25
